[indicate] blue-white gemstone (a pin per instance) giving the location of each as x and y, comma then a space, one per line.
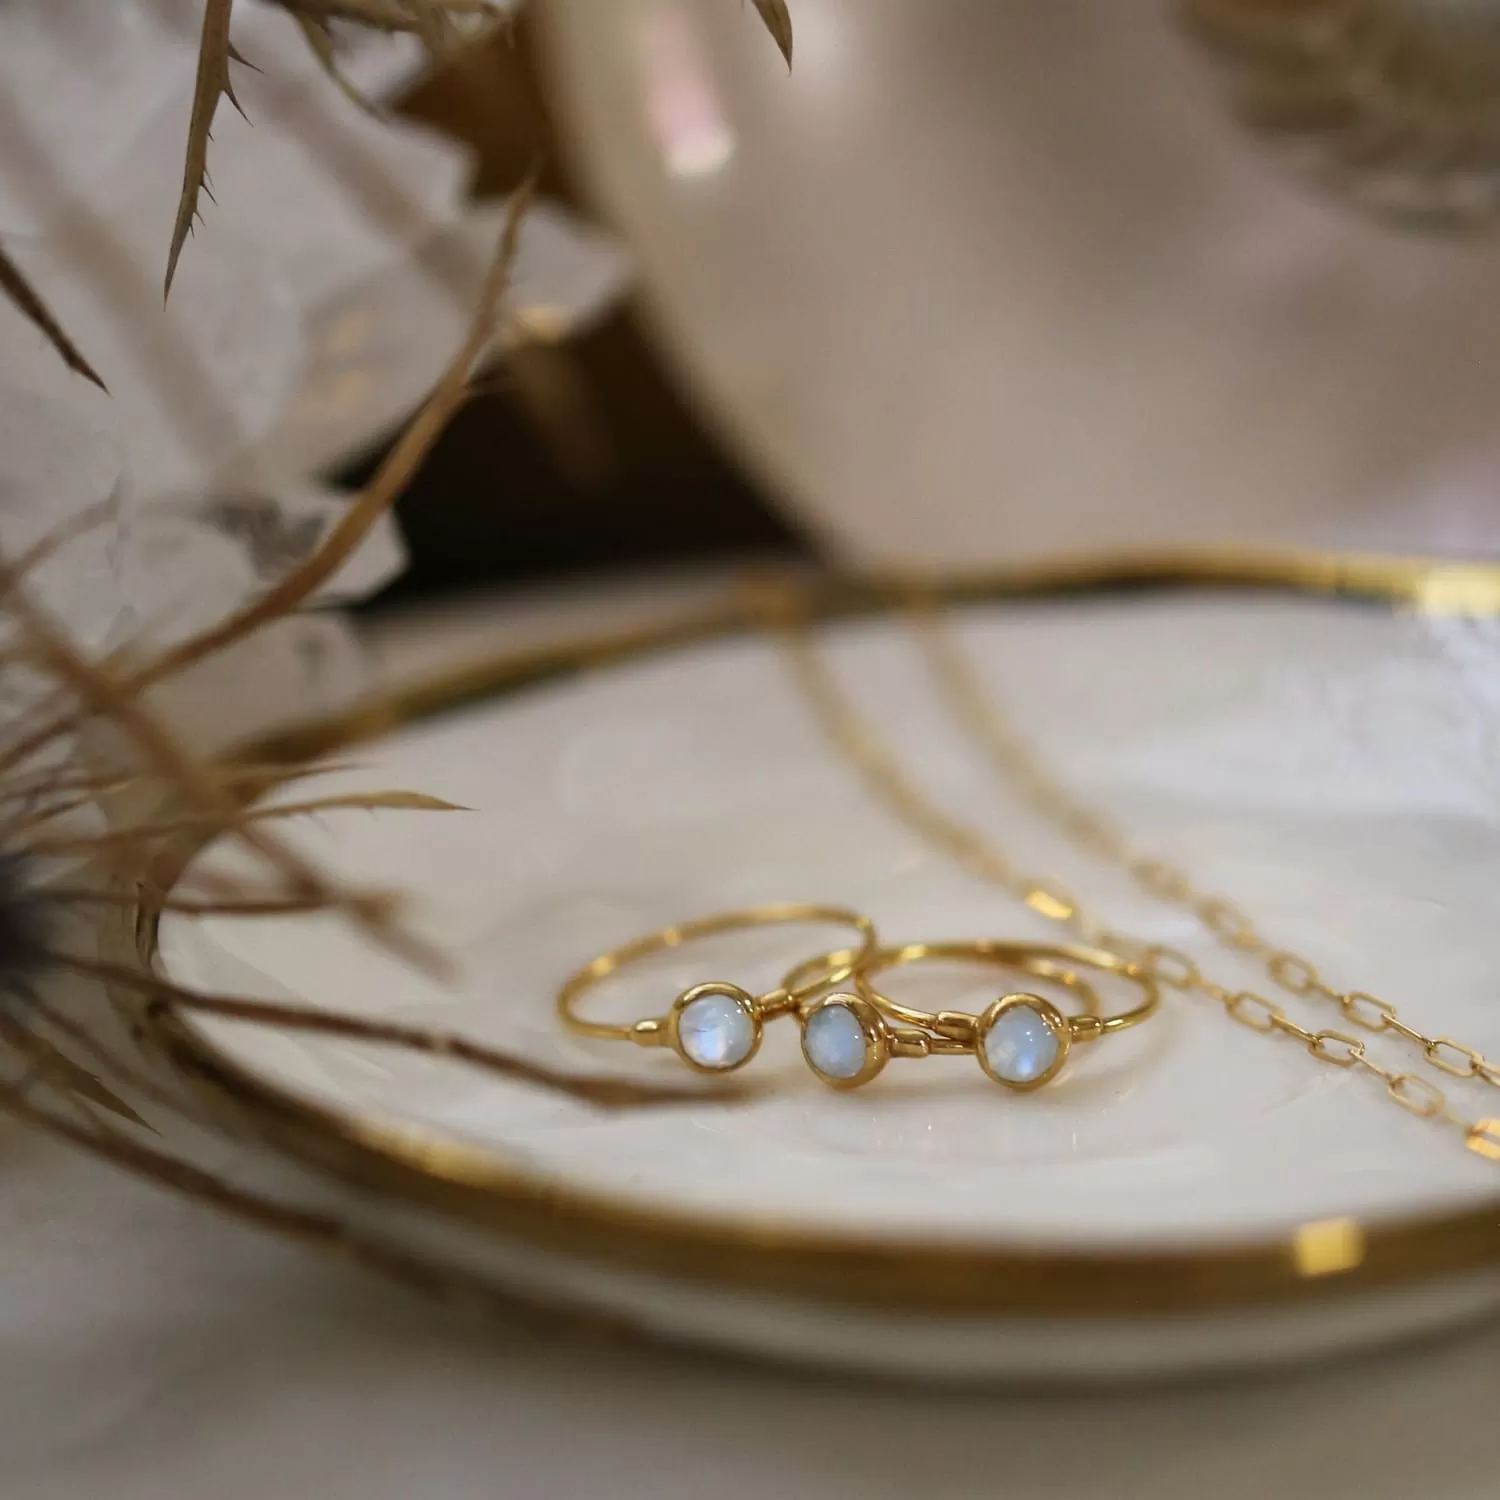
835, 1043
1020, 1046
716, 1031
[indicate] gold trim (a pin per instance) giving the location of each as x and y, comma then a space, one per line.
751, 1254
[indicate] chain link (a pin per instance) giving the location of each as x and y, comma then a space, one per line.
1365, 1010
1257, 1013
1169, 966
1232, 927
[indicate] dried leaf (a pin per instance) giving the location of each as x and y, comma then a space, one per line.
28, 300
366, 802
246, 775
136, 834
377, 15
57, 793
778, 21
320, 41
61, 1071
215, 52
104, 1058
248, 906
391, 16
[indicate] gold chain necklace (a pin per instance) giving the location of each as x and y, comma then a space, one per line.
982, 857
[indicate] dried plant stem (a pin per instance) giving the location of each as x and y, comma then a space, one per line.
58, 1070
109, 1064
104, 783
99, 692
600, 1090
362, 802
52, 543
269, 906
65, 717
319, 37
137, 834
397, 470
85, 791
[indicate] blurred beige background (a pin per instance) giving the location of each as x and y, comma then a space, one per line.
984, 280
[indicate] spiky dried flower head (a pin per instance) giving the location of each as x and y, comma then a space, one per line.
25, 926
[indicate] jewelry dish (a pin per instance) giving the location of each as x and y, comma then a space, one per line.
1189, 1197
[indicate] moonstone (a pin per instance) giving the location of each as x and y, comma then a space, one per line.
716, 1031
1020, 1046
835, 1042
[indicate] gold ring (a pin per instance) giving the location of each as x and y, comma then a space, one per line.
1020, 1040
847, 1040
714, 1027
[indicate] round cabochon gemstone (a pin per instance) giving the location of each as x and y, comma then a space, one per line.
1020, 1046
716, 1031
835, 1042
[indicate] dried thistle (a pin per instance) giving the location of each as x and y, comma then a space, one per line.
113, 692
62, 1073
65, 1075
59, 1062
23, 923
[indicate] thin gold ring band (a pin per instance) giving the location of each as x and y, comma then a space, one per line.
1021, 1040
1016, 955
714, 1027
848, 1039
837, 966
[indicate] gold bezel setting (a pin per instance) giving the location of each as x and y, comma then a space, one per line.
743, 1000
1054, 1020
872, 1027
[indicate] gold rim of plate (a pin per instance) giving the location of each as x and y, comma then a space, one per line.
913, 1274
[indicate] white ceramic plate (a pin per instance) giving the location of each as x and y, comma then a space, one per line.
1187, 1194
